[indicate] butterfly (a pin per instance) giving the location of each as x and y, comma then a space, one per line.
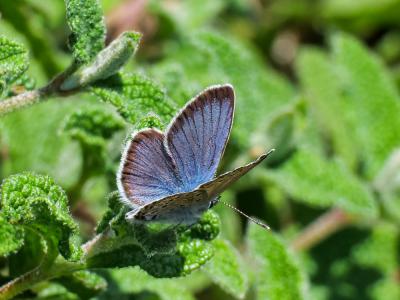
170, 177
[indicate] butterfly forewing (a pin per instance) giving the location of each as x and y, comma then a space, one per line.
147, 172
196, 139
222, 182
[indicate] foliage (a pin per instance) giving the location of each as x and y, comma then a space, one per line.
13, 61
316, 80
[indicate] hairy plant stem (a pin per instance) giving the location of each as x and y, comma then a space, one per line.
52, 88
320, 229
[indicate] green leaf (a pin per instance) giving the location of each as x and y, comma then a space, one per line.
380, 251
13, 61
92, 125
53, 291
190, 14
36, 128
134, 96
161, 252
278, 277
11, 237
307, 177
107, 62
384, 239
208, 58
84, 284
368, 85
135, 281
31, 255
36, 202
85, 19
226, 270
321, 86
386, 289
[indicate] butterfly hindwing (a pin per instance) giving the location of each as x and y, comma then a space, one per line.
197, 137
147, 172
183, 208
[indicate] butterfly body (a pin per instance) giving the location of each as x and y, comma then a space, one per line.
170, 177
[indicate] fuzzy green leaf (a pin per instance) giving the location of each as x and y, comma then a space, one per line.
134, 96
323, 95
225, 269
208, 58
107, 62
278, 276
13, 61
31, 255
135, 281
85, 19
92, 125
370, 93
84, 284
35, 201
309, 178
11, 237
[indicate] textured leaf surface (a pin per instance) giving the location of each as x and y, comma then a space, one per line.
84, 284
134, 96
162, 252
371, 93
135, 281
37, 128
309, 178
13, 61
321, 86
226, 270
35, 201
85, 19
11, 237
206, 59
278, 276
92, 125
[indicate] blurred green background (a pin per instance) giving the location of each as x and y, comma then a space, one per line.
316, 80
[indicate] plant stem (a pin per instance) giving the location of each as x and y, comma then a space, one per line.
20, 100
53, 88
40, 273
325, 225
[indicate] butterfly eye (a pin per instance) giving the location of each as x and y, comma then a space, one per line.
214, 202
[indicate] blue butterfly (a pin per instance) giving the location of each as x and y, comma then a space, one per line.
170, 177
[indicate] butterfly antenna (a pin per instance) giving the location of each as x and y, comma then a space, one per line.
256, 221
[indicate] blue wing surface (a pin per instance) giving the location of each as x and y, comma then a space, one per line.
147, 172
197, 137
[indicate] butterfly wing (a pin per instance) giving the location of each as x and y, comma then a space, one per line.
185, 208
222, 182
147, 172
197, 137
